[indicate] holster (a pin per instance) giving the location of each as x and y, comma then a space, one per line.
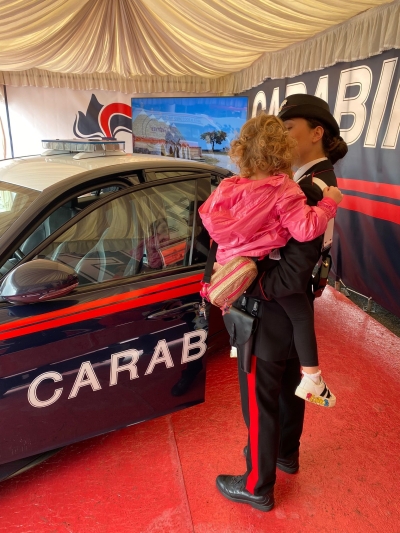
241, 327
320, 279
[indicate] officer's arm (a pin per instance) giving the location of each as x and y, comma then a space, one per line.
290, 274
312, 192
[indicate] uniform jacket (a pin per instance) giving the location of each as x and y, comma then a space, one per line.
292, 273
253, 217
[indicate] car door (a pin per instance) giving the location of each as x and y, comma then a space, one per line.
128, 344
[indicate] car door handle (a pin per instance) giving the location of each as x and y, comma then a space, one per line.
192, 306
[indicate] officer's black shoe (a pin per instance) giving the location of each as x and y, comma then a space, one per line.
232, 487
290, 466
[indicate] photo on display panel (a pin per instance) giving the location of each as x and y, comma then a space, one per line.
199, 129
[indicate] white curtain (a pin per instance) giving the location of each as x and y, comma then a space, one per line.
363, 36
201, 46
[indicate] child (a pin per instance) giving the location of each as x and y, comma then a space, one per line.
259, 211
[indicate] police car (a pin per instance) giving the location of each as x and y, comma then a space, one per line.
101, 255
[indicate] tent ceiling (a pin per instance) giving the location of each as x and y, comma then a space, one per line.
157, 38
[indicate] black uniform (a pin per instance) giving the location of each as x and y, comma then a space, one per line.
273, 414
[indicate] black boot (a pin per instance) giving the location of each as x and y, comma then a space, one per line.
233, 488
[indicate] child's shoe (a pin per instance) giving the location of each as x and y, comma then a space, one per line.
315, 393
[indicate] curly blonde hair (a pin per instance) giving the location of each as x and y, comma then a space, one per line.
263, 145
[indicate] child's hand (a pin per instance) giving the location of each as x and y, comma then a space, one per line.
334, 193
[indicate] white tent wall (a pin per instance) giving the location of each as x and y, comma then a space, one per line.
38, 113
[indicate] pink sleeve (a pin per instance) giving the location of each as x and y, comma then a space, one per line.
303, 222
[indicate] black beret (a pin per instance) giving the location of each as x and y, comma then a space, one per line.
308, 106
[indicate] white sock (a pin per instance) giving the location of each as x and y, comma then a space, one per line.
316, 378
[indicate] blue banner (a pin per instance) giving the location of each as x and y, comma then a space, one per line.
364, 97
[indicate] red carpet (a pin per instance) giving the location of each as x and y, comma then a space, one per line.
159, 476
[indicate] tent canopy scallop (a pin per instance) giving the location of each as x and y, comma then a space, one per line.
183, 45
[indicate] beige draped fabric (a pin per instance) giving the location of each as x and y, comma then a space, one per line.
363, 36
151, 46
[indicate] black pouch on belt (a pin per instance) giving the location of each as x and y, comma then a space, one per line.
241, 327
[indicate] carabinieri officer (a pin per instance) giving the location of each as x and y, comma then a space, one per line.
273, 414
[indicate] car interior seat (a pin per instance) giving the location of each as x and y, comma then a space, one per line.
110, 244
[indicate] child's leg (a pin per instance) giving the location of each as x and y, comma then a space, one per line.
312, 387
301, 314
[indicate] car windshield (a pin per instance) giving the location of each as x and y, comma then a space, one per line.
14, 199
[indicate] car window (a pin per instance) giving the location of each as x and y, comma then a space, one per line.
162, 175
138, 233
13, 201
132, 176
53, 222
62, 214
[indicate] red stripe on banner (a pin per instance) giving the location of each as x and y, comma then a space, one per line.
103, 307
370, 187
252, 478
113, 109
372, 208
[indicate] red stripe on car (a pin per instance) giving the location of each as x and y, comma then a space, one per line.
102, 307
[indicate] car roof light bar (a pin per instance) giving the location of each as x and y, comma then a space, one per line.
83, 148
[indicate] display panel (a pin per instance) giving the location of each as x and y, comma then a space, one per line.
189, 128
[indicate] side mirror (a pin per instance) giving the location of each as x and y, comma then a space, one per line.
38, 280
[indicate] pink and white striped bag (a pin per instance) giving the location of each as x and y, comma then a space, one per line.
229, 281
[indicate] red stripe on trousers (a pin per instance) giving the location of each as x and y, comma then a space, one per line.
252, 478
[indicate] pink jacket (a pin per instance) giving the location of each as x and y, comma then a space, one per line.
252, 217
